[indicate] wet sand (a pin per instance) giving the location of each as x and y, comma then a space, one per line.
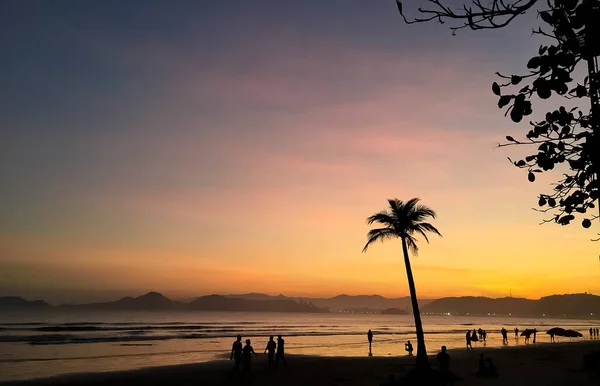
543, 364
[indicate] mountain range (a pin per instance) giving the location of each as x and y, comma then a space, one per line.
584, 306
339, 303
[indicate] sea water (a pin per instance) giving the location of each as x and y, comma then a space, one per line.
46, 344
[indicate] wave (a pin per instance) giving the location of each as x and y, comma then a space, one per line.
140, 329
61, 339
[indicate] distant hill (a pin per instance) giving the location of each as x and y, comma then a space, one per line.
570, 306
375, 303
469, 305
573, 305
15, 303
222, 303
152, 301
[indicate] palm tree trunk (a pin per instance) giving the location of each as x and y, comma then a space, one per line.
422, 361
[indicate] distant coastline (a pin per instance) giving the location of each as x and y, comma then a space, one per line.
572, 306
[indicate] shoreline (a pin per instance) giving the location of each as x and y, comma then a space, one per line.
550, 363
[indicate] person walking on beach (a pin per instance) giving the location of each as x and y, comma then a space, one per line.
468, 339
534, 334
271, 349
516, 333
592, 331
280, 352
484, 336
370, 338
236, 353
597, 331
247, 353
504, 335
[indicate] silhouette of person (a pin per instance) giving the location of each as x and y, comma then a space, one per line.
468, 339
534, 334
474, 336
408, 347
236, 353
484, 336
597, 331
517, 333
443, 359
486, 367
504, 335
247, 353
490, 368
481, 367
370, 338
280, 352
271, 349
551, 337
480, 333
592, 332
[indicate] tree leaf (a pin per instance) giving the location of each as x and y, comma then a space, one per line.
547, 17
586, 223
509, 138
504, 100
515, 79
516, 114
531, 177
534, 62
496, 88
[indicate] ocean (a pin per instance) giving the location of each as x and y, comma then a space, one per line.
47, 344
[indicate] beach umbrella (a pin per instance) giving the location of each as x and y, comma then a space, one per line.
528, 332
572, 334
556, 331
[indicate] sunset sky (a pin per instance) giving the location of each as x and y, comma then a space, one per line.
226, 147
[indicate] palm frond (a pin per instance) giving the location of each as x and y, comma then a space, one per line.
409, 207
420, 230
383, 217
429, 228
379, 234
411, 244
396, 207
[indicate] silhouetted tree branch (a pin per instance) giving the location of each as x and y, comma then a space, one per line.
565, 136
477, 16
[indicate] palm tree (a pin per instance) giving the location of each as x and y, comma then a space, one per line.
404, 220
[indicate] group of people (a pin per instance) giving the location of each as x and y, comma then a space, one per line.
243, 355
475, 336
486, 368
481, 335
594, 332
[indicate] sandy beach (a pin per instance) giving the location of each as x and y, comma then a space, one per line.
542, 364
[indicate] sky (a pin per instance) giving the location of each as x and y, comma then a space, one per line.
193, 147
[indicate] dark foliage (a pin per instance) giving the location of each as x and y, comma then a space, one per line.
566, 136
